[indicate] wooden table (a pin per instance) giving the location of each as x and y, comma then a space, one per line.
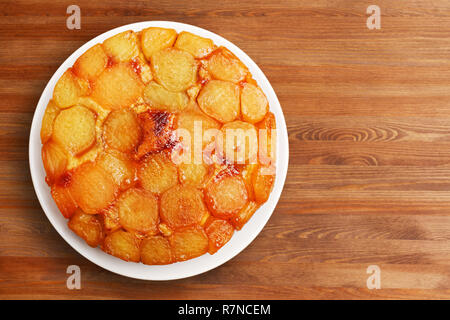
368, 114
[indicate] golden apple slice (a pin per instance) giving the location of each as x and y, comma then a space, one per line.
64, 200
88, 227
244, 215
254, 105
182, 206
122, 46
117, 87
161, 99
263, 183
91, 63
192, 174
174, 69
195, 45
220, 100
188, 243
219, 232
55, 161
92, 188
138, 211
123, 245
156, 250
226, 195
51, 112
247, 173
196, 123
154, 39
267, 140
224, 65
121, 169
68, 89
110, 219
157, 173
121, 130
74, 128
238, 142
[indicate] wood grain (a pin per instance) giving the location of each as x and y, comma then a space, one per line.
368, 115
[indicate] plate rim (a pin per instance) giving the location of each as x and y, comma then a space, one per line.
194, 266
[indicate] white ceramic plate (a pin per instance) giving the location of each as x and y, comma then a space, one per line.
178, 270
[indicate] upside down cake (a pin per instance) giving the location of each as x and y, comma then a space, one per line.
157, 146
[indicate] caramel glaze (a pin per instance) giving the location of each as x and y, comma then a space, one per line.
158, 132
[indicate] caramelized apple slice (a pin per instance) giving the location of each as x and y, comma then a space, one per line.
156, 250
51, 112
88, 227
176, 70
160, 98
138, 211
157, 129
263, 180
121, 130
238, 142
267, 140
74, 128
92, 188
226, 195
188, 243
220, 100
55, 160
195, 45
123, 245
64, 200
68, 89
116, 165
254, 105
157, 173
247, 174
182, 206
117, 87
244, 215
110, 218
192, 174
219, 232
122, 46
91, 63
224, 65
154, 39
196, 123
